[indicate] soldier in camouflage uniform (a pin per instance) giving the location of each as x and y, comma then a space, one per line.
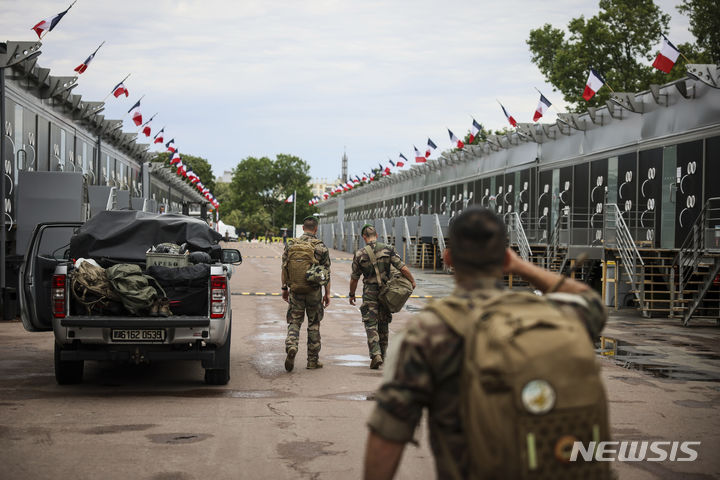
375, 316
312, 303
425, 361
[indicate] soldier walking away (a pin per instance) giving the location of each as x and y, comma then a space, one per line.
510, 379
304, 296
374, 314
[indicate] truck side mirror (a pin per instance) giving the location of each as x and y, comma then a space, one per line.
231, 256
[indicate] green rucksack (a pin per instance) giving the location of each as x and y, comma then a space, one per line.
133, 287
300, 258
318, 275
530, 388
395, 292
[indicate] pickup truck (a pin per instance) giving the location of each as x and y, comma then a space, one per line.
46, 300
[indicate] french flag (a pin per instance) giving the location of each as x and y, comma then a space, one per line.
158, 138
403, 160
454, 140
667, 57
136, 115
542, 107
171, 146
290, 198
364, 177
49, 23
119, 90
594, 83
80, 69
509, 117
430, 147
419, 157
325, 196
175, 158
474, 130
146, 128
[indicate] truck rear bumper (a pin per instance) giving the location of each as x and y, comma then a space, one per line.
135, 322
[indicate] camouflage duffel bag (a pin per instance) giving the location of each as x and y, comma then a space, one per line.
133, 287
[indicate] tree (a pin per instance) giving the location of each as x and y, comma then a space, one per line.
705, 26
199, 165
619, 42
260, 186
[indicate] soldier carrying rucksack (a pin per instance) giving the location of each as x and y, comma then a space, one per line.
509, 378
305, 270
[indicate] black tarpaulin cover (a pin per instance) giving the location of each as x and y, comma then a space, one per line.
125, 235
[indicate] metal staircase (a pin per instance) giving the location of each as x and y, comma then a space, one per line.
695, 289
556, 252
618, 237
516, 232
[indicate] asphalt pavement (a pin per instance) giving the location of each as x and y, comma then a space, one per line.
161, 422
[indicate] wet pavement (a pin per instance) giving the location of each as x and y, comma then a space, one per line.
160, 421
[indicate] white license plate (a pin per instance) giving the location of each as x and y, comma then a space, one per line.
138, 335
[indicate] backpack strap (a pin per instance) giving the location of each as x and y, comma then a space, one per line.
373, 259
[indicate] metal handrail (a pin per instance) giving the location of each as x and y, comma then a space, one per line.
517, 232
553, 244
112, 199
631, 259
692, 250
384, 231
439, 233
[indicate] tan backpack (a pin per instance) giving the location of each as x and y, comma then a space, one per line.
530, 388
300, 258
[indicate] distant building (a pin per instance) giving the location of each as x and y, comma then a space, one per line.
226, 177
322, 185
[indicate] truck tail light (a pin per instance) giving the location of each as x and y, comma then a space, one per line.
218, 296
58, 296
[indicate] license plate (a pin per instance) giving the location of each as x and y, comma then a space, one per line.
138, 335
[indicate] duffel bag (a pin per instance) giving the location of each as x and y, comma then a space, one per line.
395, 293
186, 287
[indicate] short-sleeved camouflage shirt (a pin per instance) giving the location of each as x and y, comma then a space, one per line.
424, 369
322, 254
386, 257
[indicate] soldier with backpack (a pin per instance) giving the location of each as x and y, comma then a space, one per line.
305, 270
374, 263
509, 378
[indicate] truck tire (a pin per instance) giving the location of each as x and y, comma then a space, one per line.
67, 372
220, 373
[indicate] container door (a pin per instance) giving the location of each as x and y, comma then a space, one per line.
49, 246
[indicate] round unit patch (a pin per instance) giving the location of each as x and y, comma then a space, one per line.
538, 397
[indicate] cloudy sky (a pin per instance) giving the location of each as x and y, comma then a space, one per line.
234, 78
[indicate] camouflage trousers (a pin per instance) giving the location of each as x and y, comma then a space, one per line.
376, 319
299, 304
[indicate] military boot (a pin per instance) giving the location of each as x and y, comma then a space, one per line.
377, 360
312, 364
290, 359
163, 306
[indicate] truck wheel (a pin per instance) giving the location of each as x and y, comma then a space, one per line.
67, 372
220, 373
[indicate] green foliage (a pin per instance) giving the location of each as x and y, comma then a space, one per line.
259, 188
199, 165
619, 42
257, 222
705, 26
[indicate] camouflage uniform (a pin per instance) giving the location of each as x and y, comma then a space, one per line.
375, 316
424, 368
300, 303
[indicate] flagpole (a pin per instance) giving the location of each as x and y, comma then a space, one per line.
98, 48
121, 81
294, 211
126, 113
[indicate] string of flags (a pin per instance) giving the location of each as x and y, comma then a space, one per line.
43, 27
666, 58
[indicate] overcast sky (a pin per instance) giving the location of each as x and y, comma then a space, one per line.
235, 78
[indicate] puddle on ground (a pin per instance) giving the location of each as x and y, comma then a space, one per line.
228, 393
178, 438
269, 336
353, 396
413, 308
648, 360
351, 360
